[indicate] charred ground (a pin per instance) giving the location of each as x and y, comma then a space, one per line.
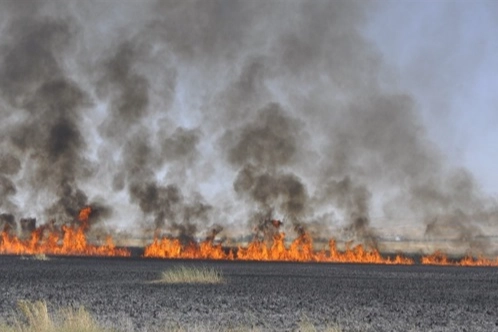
271, 296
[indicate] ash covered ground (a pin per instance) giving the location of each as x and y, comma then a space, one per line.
269, 296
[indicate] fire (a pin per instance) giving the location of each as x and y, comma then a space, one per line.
69, 240
72, 240
359, 254
439, 258
300, 250
84, 214
479, 261
172, 248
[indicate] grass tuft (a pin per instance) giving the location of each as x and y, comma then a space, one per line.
191, 275
305, 325
34, 317
37, 257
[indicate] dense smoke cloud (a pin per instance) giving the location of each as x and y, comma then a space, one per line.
34, 85
278, 108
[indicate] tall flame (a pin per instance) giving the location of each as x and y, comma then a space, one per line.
70, 240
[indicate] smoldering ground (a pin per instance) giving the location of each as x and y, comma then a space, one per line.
184, 115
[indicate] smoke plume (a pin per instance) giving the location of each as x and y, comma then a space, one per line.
183, 116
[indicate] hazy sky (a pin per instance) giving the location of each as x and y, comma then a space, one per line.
445, 54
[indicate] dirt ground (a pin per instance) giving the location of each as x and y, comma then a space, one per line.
270, 296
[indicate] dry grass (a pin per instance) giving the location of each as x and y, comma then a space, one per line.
210, 329
37, 257
191, 275
34, 317
305, 325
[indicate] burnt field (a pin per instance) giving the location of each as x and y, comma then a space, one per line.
268, 296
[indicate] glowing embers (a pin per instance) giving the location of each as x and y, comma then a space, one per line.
68, 240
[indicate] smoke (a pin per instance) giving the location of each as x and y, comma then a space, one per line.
34, 84
127, 90
261, 150
183, 116
354, 200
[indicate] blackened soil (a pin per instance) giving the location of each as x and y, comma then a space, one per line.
269, 296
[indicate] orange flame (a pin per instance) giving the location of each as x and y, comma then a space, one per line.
84, 214
439, 258
83, 217
172, 248
71, 240
300, 250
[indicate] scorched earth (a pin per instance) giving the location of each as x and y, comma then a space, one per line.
265, 295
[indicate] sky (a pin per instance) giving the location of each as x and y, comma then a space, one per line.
186, 115
444, 53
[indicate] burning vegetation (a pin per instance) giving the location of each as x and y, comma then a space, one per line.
68, 240
268, 244
301, 249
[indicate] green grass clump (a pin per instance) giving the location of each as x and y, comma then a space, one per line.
191, 275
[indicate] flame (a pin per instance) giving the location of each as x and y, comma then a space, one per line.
84, 214
439, 258
300, 250
172, 248
70, 240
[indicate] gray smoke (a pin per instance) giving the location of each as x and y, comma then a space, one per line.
208, 113
9, 166
127, 90
262, 150
49, 104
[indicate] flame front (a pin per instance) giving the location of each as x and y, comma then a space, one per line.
439, 258
70, 240
300, 250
